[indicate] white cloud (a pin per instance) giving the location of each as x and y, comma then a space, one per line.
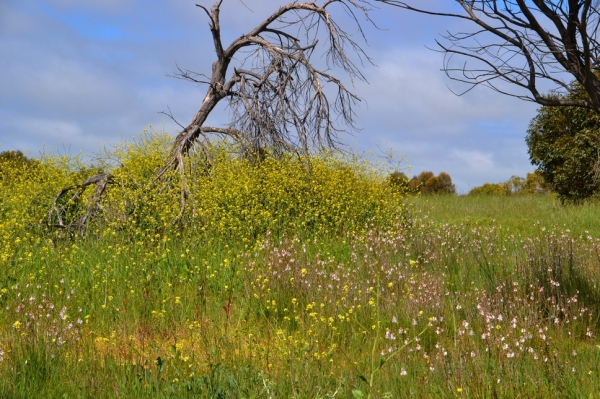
409, 92
69, 85
474, 160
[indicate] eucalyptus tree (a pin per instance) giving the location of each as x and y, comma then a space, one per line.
564, 144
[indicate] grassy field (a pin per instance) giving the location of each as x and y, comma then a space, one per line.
521, 214
456, 297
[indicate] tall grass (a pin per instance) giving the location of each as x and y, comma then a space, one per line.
422, 304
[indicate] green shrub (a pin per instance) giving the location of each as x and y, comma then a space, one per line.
489, 189
399, 181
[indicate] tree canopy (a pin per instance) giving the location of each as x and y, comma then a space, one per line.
426, 183
564, 144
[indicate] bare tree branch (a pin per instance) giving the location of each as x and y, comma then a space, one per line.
528, 44
58, 213
278, 97
170, 115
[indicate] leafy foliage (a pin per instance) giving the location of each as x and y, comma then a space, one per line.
489, 189
564, 145
535, 184
14, 159
440, 184
399, 181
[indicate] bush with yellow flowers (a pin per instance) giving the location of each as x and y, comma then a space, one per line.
323, 193
222, 193
27, 190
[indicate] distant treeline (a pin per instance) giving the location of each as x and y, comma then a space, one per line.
532, 184
427, 183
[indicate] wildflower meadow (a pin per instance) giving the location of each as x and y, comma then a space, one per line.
288, 277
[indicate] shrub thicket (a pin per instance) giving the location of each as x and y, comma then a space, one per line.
14, 159
399, 182
489, 189
232, 197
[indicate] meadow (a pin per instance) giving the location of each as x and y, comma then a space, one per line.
290, 278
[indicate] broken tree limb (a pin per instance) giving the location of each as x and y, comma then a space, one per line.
58, 214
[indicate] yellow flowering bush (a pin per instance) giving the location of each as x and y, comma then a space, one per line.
230, 196
27, 191
323, 193
134, 199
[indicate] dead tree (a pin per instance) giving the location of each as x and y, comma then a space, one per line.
526, 43
276, 93
280, 98
58, 214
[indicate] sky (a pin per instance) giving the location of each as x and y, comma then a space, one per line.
77, 75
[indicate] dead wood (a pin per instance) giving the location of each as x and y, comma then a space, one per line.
58, 214
531, 45
277, 95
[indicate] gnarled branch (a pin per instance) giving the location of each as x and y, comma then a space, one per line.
527, 44
58, 212
277, 94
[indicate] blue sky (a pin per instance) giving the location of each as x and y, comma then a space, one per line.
80, 74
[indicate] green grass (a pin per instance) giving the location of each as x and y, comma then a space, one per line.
523, 214
485, 297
